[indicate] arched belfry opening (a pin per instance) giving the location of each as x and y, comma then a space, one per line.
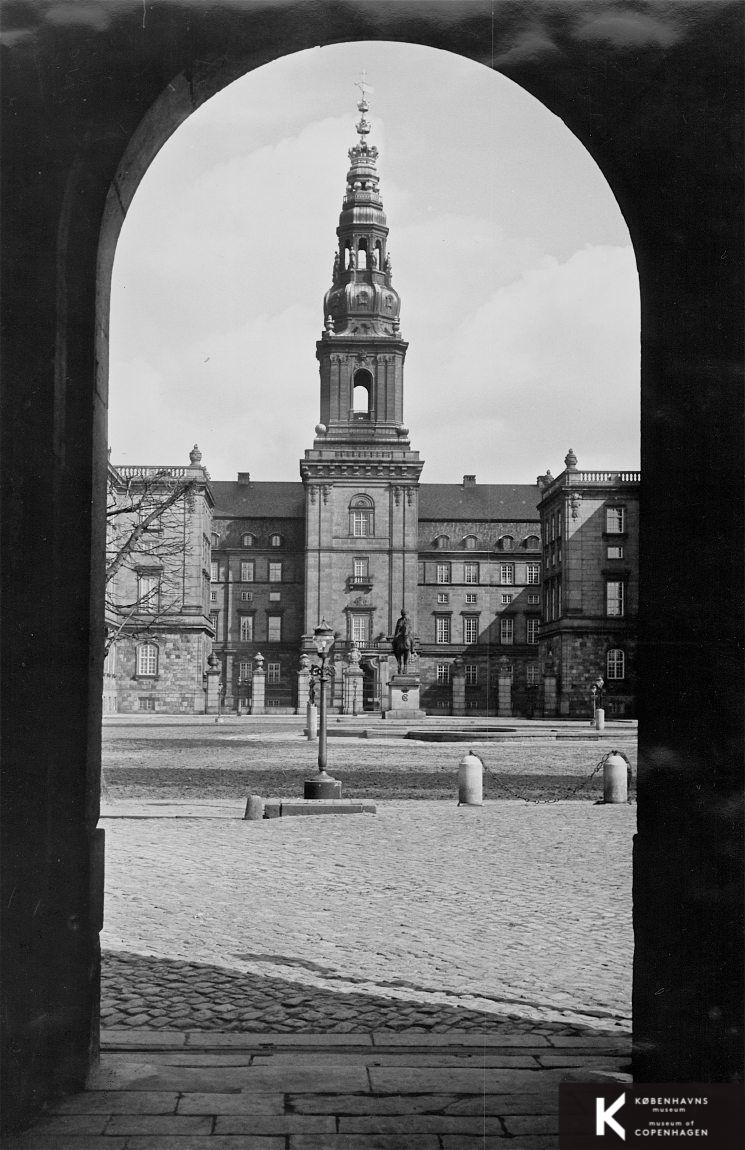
362, 395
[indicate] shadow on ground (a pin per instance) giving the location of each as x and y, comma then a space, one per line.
165, 994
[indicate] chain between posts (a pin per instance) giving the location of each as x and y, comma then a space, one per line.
561, 798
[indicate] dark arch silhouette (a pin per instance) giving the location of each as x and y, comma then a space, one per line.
653, 95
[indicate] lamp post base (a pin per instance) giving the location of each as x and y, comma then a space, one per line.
322, 786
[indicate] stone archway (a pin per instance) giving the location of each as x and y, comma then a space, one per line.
651, 93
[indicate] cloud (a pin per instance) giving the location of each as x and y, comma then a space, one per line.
547, 360
529, 45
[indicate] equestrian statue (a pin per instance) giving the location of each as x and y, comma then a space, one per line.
403, 641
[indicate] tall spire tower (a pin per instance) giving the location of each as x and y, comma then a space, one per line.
361, 476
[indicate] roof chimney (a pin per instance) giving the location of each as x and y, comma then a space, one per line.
244, 477
469, 480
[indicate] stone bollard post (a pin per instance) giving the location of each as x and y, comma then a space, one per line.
311, 713
254, 808
615, 779
599, 719
470, 781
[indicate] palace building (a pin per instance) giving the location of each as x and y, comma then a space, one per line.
520, 595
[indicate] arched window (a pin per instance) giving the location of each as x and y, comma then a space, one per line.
362, 254
532, 542
248, 540
362, 394
378, 255
275, 540
506, 542
470, 542
361, 516
215, 539
147, 659
615, 664
442, 542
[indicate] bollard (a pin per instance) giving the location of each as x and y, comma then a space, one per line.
311, 712
470, 781
615, 779
254, 808
600, 719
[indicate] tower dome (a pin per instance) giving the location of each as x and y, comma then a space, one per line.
361, 300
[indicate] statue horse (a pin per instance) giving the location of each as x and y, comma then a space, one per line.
403, 643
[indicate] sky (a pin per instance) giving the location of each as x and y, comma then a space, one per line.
518, 284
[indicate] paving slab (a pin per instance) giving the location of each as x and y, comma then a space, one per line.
204, 1142
364, 1142
231, 1104
275, 1125
119, 1102
423, 1124
46, 1141
430, 1080
161, 1124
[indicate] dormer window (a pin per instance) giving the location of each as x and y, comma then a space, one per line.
248, 540
275, 540
506, 542
215, 539
470, 542
442, 542
532, 542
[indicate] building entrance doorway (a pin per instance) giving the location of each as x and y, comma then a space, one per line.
370, 685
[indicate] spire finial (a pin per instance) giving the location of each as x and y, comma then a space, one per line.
362, 125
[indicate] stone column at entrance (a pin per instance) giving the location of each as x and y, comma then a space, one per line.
258, 692
458, 686
212, 675
504, 697
353, 702
303, 685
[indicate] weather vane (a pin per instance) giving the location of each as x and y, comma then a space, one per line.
363, 85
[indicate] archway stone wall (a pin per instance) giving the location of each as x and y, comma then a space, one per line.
653, 91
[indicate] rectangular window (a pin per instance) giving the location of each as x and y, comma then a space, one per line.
213, 596
470, 628
420, 572
275, 572
443, 674
361, 523
148, 592
534, 572
533, 674
245, 671
274, 628
361, 568
246, 596
533, 599
443, 597
247, 628
275, 596
214, 620
615, 552
443, 572
506, 630
506, 573
470, 572
273, 671
213, 571
615, 596
247, 571
147, 659
615, 520
471, 674
506, 598
471, 597
532, 626
361, 628
146, 704
616, 664
442, 628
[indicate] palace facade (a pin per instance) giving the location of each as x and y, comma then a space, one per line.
520, 594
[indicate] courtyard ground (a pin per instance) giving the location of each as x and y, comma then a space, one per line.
419, 979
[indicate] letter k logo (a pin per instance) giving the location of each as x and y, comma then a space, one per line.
604, 1116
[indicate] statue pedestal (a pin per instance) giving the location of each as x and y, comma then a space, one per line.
403, 694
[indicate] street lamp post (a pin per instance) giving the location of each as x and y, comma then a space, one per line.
323, 786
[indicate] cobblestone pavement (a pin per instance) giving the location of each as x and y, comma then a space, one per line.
425, 915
